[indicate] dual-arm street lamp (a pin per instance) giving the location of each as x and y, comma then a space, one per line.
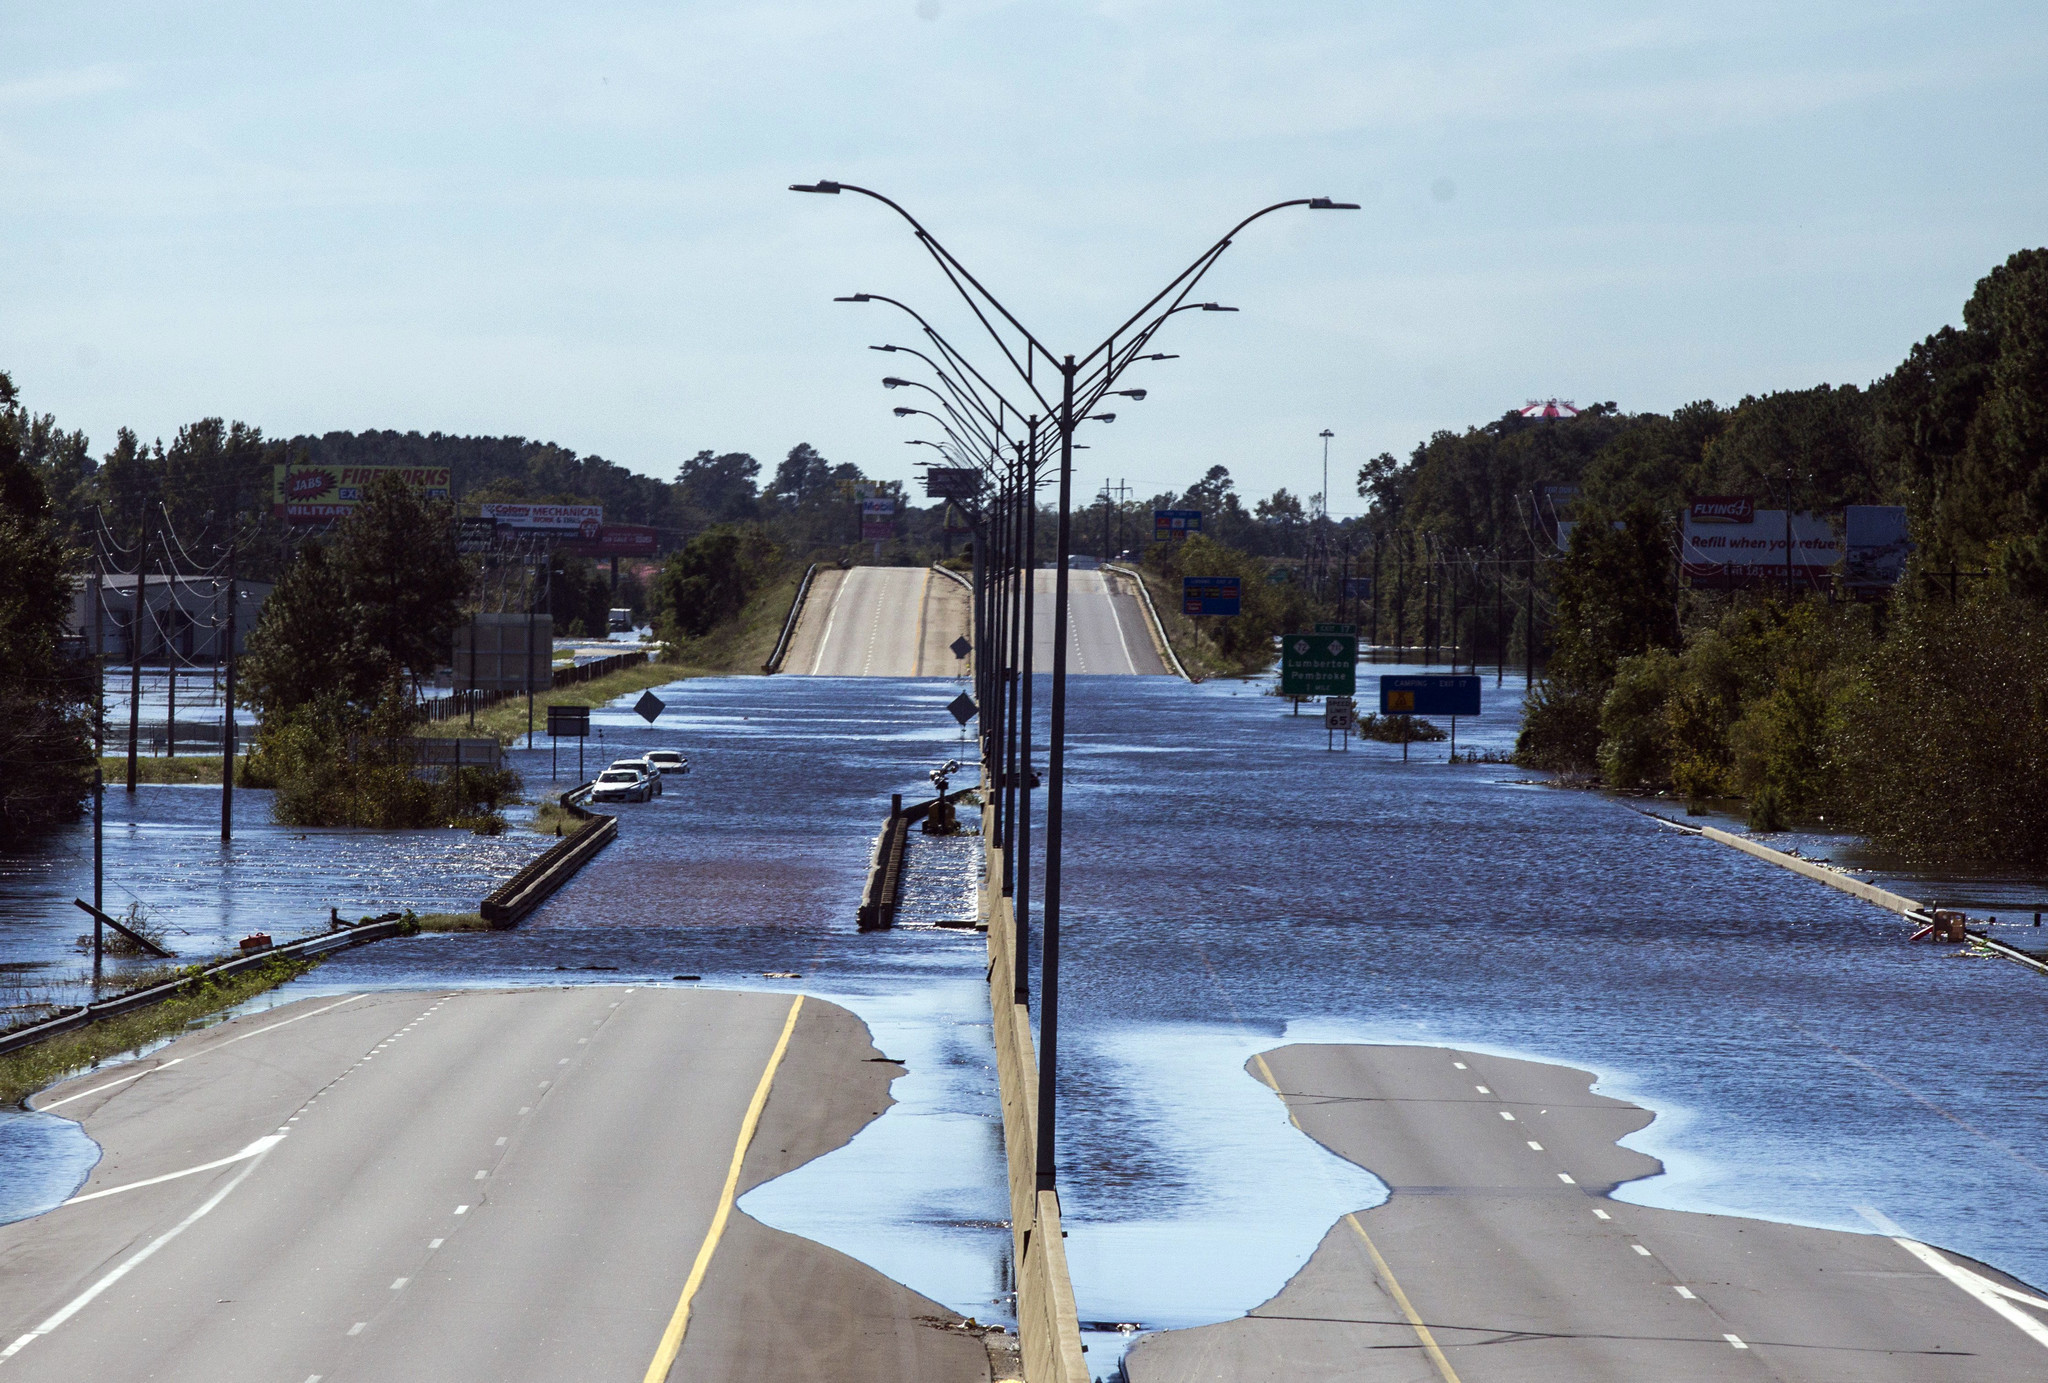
1084, 380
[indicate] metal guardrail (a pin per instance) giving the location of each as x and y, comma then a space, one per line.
542, 875
796, 609
88, 1014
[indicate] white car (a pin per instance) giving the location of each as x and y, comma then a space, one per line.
622, 785
667, 761
644, 769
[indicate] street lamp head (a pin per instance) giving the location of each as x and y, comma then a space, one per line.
1314, 203
903, 412
1217, 307
821, 185
1138, 394
891, 382
853, 298
1102, 417
881, 348
1158, 355
1326, 433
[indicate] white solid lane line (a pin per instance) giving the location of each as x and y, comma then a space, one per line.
255, 1149
85, 1298
831, 616
1118, 621
175, 1060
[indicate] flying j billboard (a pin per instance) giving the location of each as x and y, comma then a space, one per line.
1722, 554
306, 493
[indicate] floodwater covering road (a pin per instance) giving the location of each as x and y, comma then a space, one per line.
1233, 887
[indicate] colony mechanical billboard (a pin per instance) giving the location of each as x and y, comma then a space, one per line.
307, 493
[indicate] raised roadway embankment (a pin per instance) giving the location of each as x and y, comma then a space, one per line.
479, 1185
1107, 632
1500, 1255
879, 622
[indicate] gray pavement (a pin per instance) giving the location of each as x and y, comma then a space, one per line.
871, 622
1500, 1256
1107, 632
473, 1185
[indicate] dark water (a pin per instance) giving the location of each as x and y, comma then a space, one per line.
1232, 886
163, 849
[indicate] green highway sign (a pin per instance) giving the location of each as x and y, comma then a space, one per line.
1319, 665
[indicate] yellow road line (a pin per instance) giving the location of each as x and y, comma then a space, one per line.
923, 594
672, 1338
1436, 1355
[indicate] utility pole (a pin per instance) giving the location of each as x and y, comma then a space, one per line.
135, 654
1529, 620
99, 753
227, 716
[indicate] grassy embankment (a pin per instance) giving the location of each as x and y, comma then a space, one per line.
743, 644
24, 1072
187, 768
507, 719
1197, 653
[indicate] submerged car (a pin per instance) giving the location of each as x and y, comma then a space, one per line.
667, 761
622, 785
645, 770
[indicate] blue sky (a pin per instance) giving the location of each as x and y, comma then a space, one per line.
570, 222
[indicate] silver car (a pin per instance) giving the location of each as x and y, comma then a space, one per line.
623, 785
667, 761
644, 769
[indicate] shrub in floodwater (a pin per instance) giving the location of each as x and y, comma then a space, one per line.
1400, 730
335, 765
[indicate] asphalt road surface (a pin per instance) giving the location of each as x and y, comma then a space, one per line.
501, 1185
879, 622
1500, 1256
1107, 631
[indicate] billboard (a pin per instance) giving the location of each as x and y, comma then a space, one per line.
613, 540
581, 519
952, 482
1209, 595
1722, 555
877, 520
1875, 545
1175, 523
307, 493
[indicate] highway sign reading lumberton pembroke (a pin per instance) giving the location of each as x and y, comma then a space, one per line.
1439, 695
1319, 665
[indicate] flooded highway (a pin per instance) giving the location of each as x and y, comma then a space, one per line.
1233, 886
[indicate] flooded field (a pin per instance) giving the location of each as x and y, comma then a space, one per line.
1232, 885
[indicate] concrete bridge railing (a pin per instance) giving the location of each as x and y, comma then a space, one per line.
1048, 1322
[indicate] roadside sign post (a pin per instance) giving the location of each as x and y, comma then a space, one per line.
1339, 714
571, 722
1321, 664
1211, 595
1452, 694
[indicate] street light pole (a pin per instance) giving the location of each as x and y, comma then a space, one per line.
1104, 363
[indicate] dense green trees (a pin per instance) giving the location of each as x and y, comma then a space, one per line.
358, 613
45, 731
708, 581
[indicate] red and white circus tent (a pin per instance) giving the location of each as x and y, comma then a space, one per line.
1549, 408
